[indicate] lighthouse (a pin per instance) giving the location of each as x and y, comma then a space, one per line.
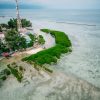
19, 26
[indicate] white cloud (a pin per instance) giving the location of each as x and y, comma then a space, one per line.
62, 3
66, 3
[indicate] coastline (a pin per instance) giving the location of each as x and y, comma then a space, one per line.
42, 85
87, 65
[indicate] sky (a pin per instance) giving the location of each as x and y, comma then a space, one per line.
52, 4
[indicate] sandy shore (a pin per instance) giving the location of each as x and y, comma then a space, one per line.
33, 51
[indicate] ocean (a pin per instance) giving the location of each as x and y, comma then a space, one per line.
82, 27
68, 16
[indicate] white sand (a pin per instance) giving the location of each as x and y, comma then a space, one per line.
33, 51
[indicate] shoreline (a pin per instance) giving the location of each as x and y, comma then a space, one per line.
84, 60
58, 81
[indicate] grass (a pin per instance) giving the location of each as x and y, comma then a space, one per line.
60, 37
52, 54
16, 73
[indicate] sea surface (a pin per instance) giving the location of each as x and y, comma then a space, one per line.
82, 27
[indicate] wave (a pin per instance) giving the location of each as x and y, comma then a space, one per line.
77, 23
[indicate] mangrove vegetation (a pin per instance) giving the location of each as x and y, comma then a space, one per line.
50, 55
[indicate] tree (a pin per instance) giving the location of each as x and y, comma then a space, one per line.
14, 40
26, 23
3, 25
41, 40
12, 23
33, 39
22, 43
3, 47
0, 29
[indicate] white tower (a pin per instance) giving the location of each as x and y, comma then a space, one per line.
19, 26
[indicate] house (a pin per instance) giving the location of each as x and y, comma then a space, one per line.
24, 32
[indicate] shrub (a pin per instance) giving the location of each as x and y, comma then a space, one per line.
45, 30
3, 78
0, 29
12, 23
41, 40
50, 55
20, 68
60, 37
16, 73
14, 40
33, 38
6, 71
49, 70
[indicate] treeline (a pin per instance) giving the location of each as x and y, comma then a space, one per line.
14, 41
52, 54
12, 24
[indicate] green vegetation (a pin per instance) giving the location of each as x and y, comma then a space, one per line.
41, 40
12, 69
3, 78
37, 67
33, 39
48, 70
0, 29
26, 23
3, 47
3, 25
60, 37
46, 30
15, 72
4, 73
47, 56
12, 23
14, 40
52, 54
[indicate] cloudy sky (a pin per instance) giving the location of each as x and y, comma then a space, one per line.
53, 4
